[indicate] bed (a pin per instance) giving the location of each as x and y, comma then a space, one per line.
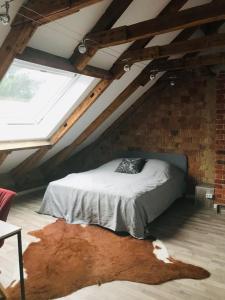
118, 201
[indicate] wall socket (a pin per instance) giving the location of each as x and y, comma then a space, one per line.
209, 196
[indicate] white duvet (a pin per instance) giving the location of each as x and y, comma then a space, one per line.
118, 201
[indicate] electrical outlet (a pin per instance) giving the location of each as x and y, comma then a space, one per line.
209, 196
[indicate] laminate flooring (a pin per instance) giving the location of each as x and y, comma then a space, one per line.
191, 234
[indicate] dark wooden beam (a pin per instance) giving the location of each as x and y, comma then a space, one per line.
110, 16
188, 62
171, 7
199, 44
45, 11
14, 44
191, 17
46, 59
96, 72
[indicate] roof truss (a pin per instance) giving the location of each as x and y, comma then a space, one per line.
189, 46
180, 20
207, 15
107, 20
141, 79
97, 91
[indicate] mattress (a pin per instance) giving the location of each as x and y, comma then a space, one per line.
118, 201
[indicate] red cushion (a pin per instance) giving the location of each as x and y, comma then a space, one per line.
5, 203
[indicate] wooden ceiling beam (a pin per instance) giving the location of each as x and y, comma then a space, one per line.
53, 61
188, 62
107, 20
172, 7
191, 17
82, 60
14, 44
45, 11
199, 44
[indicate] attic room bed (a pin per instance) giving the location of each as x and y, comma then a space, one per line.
118, 201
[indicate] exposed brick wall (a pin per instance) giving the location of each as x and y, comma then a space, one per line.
178, 119
220, 140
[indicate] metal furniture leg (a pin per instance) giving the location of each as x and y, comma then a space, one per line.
218, 209
20, 253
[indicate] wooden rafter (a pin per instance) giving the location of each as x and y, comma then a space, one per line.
80, 61
111, 15
171, 7
45, 11
195, 16
189, 62
199, 44
57, 62
14, 44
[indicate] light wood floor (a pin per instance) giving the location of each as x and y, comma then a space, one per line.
190, 234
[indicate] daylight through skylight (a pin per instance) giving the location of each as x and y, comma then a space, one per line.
26, 93
34, 99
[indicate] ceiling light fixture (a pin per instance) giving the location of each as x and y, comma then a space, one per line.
5, 17
82, 48
126, 68
172, 83
152, 76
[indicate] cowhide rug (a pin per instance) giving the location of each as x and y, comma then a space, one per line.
69, 257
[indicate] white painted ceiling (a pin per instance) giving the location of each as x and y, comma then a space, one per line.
62, 36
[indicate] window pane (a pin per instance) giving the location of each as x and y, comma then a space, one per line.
19, 85
26, 93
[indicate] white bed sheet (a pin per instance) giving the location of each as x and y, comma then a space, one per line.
118, 201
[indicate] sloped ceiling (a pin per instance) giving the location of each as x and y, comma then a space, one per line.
62, 36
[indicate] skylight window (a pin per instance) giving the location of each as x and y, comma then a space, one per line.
35, 100
27, 93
